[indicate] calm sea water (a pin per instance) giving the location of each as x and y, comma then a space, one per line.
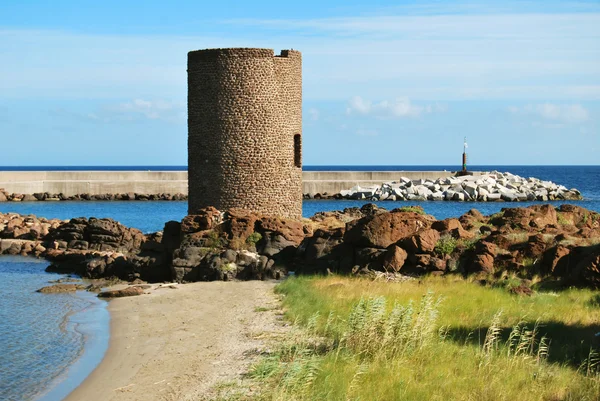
38, 332
42, 335
151, 216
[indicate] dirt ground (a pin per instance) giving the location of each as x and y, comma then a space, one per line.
177, 344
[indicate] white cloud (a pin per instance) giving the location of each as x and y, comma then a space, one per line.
398, 108
134, 110
149, 109
560, 113
313, 114
524, 53
366, 132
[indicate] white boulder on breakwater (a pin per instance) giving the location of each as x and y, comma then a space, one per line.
490, 187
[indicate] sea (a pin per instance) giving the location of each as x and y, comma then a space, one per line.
51, 342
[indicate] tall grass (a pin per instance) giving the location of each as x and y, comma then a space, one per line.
437, 339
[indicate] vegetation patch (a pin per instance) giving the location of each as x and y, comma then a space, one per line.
431, 339
562, 220
468, 244
446, 245
214, 240
253, 238
413, 209
496, 218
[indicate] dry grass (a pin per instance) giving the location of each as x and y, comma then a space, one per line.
432, 339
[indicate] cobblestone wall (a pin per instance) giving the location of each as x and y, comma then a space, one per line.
244, 109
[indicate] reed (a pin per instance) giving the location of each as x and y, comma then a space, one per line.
433, 339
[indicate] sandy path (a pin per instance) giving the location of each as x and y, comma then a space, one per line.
175, 344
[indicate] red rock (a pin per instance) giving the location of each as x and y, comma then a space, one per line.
535, 246
394, 258
423, 260
423, 241
589, 267
486, 247
542, 216
515, 218
459, 233
438, 264
125, 292
385, 229
483, 262
472, 219
554, 257
452, 227
61, 288
205, 219
446, 225
291, 230
239, 223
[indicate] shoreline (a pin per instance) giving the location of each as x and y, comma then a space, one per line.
176, 344
93, 324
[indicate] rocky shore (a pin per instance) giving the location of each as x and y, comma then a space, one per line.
48, 197
555, 243
491, 187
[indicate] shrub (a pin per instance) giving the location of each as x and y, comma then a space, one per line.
253, 238
446, 245
495, 218
468, 243
561, 219
214, 240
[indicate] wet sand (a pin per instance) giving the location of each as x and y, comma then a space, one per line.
176, 344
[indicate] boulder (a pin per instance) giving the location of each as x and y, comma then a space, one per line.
385, 229
444, 226
125, 292
542, 216
535, 246
370, 258
486, 247
555, 260
482, 262
325, 250
394, 258
471, 219
61, 288
272, 243
423, 241
589, 267
292, 230
204, 219
239, 223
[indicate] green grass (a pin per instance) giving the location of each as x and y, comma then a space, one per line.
414, 209
253, 238
562, 220
432, 339
468, 244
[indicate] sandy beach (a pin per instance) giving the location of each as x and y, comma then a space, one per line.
175, 344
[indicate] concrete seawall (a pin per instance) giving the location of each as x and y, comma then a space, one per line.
72, 183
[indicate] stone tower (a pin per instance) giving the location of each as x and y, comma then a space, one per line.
245, 130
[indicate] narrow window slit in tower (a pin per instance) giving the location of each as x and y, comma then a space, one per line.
297, 150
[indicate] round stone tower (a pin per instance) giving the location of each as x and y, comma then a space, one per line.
245, 130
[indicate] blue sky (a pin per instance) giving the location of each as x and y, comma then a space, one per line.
387, 82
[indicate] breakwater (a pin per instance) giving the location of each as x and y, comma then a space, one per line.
371, 185
494, 186
72, 183
95, 183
